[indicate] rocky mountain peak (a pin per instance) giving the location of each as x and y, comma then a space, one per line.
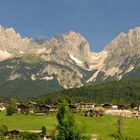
67, 58
123, 53
73, 37
136, 30
8, 32
9, 37
11, 43
77, 45
125, 41
1, 28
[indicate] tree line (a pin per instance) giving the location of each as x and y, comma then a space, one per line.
123, 92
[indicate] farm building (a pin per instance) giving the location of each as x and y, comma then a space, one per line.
94, 113
107, 106
85, 105
43, 108
2, 106
22, 108
135, 114
125, 113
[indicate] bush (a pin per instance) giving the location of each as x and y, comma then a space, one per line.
43, 129
3, 130
11, 110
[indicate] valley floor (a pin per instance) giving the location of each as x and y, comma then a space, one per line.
104, 126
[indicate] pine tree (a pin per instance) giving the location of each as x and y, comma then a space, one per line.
67, 129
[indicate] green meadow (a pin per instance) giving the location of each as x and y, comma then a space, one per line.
104, 126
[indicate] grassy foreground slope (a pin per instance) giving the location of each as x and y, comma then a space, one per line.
104, 126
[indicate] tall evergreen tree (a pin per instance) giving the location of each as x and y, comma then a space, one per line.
67, 129
12, 108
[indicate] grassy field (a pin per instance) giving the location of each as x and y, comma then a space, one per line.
104, 126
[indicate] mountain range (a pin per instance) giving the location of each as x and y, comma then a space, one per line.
64, 61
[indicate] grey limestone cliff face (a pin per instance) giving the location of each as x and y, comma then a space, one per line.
124, 52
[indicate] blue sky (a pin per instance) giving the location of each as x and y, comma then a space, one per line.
99, 21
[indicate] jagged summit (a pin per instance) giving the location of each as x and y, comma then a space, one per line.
11, 35
74, 37
11, 43
8, 31
72, 33
136, 29
132, 38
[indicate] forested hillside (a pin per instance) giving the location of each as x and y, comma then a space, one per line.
124, 92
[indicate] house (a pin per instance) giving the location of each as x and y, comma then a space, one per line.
23, 108
2, 106
54, 108
33, 103
107, 106
48, 137
13, 133
42, 135
135, 114
84, 105
121, 107
94, 113
114, 107
118, 112
73, 107
45, 136
43, 108
136, 108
